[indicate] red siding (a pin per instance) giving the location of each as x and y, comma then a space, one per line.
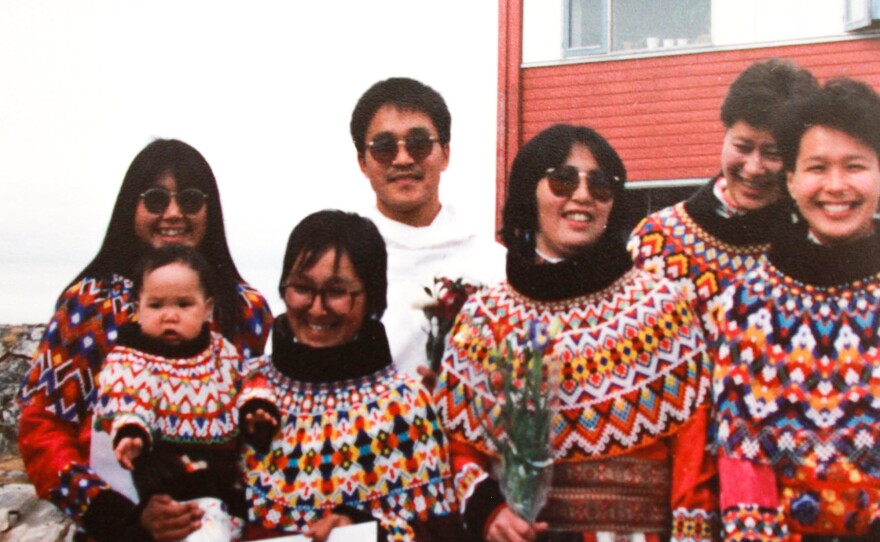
660, 113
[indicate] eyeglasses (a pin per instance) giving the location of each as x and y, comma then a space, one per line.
564, 181
334, 298
190, 201
384, 147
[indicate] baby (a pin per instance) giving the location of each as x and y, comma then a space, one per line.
168, 392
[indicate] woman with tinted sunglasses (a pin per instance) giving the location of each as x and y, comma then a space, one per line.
168, 196
797, 373
629, 421
723, 231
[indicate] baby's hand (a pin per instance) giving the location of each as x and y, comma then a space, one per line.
128, 449
259, 419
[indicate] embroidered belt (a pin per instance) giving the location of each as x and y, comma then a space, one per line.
572, 536
618, 494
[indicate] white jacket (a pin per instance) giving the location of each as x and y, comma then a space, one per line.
446, 248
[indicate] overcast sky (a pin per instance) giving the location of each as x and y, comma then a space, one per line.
264, 89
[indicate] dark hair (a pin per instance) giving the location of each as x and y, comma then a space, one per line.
344, 233
762, 89
168, 255
550, 149
406, 95
843, 104
122, 248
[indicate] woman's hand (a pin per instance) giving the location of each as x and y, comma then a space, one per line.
128, 449
509, 527
168, 520
320, 530
253, 420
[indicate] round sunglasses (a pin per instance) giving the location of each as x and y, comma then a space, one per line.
385, 146
190, 200
564, 181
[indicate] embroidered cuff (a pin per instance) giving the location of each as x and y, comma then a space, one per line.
78, 487
693, 525
751, 523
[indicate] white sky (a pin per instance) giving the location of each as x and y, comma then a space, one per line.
264, 89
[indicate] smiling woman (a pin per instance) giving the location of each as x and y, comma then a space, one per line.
804, 326
365, 437
169, 196
614, 476
723, 231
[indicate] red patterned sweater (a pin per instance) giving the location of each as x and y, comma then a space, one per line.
796, 388
354, 433
630, 425
59, 392
183, 405
702, 251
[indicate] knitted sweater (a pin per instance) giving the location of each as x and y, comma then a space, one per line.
796, 383
366, 441
629, 426
702, 251
59, 394
184, 408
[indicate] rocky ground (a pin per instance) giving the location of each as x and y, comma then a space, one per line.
23, 517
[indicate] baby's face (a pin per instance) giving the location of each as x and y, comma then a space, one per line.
172, 306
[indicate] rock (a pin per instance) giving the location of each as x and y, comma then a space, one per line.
23, 516
17, 346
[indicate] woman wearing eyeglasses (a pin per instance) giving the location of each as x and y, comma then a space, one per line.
168, 196
352, 439
629, 414
797, 377
723, 231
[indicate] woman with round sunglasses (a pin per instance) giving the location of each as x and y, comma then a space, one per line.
347, 438
168, 196
797, 374
629, 413
723, 230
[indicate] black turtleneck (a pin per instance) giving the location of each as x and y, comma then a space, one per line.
751, 228
795, 255
364, 355
595, 269
132, 335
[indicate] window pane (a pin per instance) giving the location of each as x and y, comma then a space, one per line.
585, 24
652, 24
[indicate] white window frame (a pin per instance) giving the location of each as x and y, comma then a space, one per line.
860, 14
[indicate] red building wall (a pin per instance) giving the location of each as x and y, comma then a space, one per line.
660, 113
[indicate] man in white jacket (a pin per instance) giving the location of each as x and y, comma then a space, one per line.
401, 130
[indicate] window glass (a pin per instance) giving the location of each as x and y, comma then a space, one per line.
623, 27
586, 24
655, 24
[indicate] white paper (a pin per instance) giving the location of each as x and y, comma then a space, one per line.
103, 462
359, 532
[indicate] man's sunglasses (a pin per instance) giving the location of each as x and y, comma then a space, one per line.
564, 181
384, 147
190, 201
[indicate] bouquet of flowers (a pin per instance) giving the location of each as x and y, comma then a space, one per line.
524, 442
447, 297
